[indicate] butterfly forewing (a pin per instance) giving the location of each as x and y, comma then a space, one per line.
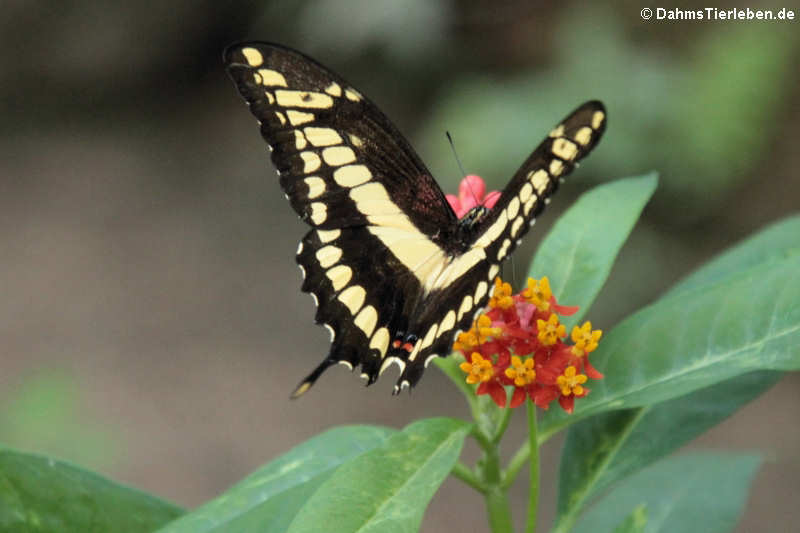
391, 283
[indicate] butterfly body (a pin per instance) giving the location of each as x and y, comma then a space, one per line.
394, 272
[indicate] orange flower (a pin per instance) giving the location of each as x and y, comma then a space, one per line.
501, 297
521, 372
479, 370
551, 331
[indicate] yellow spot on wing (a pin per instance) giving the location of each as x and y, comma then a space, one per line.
540, 180
366, 320
466, 305
319, 212
340, 276
271, 77
525, 192
303, 99
352, 175
494, 231
253, 56
338, 155
529, 205
503, 249
353, 298
353, 95
316, 186
516, 225
380, 341
299, 140
299, 117
447, 323
481, 290
328, 235
494, 269
558, 132
311, 161
328, 256
322, 136
597, 119
584, 135
334, 89
513, 207
430, 336
556, 167
302, 389
564, 148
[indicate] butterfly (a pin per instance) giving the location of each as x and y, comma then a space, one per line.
394, 272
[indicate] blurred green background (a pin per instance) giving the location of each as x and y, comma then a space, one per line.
151, 325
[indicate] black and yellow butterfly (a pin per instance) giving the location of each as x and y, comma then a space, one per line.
394, 272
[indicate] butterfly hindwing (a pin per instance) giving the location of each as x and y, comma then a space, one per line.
394, 273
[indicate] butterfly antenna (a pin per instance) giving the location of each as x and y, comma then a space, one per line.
460, 166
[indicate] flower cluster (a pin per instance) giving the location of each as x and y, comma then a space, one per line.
519, 342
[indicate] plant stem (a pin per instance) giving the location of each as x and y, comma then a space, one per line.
497, 504
499, 510
462, 472
533, 498
520, 457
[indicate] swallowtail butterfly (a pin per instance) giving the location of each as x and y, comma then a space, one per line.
394, 273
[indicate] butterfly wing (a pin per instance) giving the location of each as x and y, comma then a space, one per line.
466, 284
376, 213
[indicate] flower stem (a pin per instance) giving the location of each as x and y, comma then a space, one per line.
520, 457
533, 498
497, 504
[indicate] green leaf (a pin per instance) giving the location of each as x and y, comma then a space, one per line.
46, 414
387, 489
268, 499
695, 339
578, 253
608, 447
699, 492
39, 494
777, 240
635, 522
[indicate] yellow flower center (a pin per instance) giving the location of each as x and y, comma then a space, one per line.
585, 338
538, 293
521, 372
501, 297
570, 382
478, 370
550, 331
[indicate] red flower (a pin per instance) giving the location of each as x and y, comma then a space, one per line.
519, 342
470, 194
